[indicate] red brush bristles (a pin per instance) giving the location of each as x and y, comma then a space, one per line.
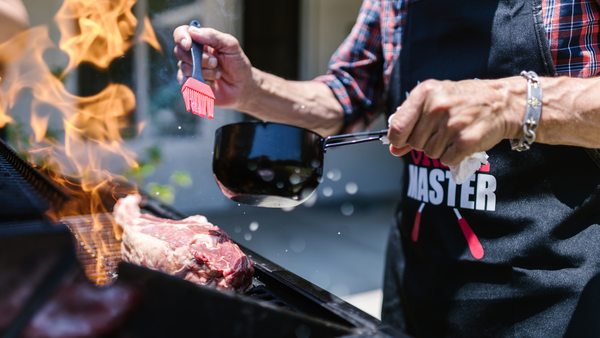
198, 97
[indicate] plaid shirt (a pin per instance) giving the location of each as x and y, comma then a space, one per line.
360, 69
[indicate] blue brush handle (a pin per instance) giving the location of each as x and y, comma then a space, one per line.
197, 49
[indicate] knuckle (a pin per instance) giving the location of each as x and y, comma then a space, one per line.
432, 151
416, 143
445, 101
426, 91
440, 104
429, 151
429, 85
455, 125
395, 126
219, 39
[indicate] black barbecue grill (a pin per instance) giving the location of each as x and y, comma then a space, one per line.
39, 273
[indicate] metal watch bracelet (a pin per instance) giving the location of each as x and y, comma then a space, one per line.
533, 112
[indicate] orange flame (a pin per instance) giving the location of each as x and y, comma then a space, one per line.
104, 30
96, 32
148, 35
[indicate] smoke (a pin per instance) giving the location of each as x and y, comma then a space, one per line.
228, 14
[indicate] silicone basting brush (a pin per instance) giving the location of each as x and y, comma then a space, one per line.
198, 96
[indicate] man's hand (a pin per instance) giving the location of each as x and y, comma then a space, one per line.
450, 120
225, 67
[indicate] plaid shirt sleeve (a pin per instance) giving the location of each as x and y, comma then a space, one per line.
356, 69
573, 31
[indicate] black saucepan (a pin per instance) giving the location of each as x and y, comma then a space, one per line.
273, 165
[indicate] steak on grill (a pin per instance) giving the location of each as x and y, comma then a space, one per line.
192, 248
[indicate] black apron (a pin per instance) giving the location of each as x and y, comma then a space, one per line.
514, 251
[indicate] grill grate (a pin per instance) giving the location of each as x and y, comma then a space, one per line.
23, 186
18, 198
260, 292
98, 250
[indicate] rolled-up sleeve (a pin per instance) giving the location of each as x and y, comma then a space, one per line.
355, 72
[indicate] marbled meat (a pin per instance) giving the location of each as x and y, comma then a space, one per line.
192, 248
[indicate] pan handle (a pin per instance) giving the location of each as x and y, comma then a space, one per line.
357, 138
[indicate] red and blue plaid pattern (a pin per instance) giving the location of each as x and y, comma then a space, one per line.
359, 70
572, 31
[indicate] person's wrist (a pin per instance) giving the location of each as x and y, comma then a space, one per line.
514, 98
250, 91
533, 110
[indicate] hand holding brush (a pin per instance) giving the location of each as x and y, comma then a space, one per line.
198, 96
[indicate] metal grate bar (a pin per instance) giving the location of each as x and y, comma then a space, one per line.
18, 198
98, 250
37, 181
261, 293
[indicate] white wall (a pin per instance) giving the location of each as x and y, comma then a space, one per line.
325, 24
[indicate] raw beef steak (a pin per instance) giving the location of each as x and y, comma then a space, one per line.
192, 249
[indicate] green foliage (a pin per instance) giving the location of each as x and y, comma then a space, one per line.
54, 133
147, 166
128, 133
154, 154
163, 193
181, 179
140, 173
19, 138
15, 135
57, 71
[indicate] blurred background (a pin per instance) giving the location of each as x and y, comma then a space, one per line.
337, 239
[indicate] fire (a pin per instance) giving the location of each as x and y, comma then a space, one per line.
104, 30
95, 32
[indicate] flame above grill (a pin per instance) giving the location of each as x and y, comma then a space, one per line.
95, 32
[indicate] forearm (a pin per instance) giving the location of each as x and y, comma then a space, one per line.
307, 104
571, 112
570, 109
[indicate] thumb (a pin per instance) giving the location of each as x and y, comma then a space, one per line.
400, 151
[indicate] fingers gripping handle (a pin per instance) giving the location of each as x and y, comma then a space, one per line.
198, 96
197, 49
